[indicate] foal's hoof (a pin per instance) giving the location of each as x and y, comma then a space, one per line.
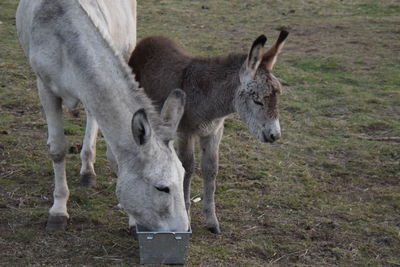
214, 229
88, 180
56, 223
132, 231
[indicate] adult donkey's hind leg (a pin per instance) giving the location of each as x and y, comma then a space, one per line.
57, 144
88, 153
209, 168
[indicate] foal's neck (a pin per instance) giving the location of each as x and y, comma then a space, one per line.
218, 80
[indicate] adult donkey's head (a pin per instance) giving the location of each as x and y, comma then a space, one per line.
256, 100
154, 196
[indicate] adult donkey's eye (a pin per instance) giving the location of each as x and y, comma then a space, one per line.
258, 103
164, 189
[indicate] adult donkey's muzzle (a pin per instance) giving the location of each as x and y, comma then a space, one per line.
270, 137
272, 132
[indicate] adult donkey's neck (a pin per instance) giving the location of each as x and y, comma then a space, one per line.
101, 80
215, 82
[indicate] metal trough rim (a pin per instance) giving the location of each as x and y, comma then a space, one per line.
139, 231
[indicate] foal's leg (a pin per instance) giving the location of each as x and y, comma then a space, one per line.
186, 150
88, 153
209, 168
111, 159
57, 149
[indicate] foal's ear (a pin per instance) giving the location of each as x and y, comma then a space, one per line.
141, 129
270, 57
173, 109
256, 54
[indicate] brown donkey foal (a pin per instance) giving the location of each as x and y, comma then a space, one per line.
215, 87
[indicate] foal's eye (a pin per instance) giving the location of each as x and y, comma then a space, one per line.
164, 189
258, 103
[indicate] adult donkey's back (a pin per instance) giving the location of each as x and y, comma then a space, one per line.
215, 87
68, 47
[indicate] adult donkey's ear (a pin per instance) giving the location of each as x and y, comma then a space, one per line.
256, 54
173, 109
141, 128
270, 57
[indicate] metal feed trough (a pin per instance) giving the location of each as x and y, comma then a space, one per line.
162, 247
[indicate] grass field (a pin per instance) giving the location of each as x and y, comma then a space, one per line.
322, 195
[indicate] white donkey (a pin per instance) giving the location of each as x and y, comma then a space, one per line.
69, 49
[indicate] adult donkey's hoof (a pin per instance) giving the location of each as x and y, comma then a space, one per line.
88, 180
56, 223
214, 229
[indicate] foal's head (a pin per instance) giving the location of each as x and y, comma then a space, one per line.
256, 100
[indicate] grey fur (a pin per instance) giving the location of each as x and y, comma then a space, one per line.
73, 53
215, 88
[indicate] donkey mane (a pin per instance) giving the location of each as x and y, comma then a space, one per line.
231, 61
135, 91
214, 68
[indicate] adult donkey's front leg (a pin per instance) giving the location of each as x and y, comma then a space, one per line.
57, 144
209, 168
88, 153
